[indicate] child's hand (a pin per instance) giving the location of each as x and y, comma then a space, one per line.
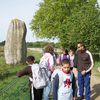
17, 75
83, 72
74, 98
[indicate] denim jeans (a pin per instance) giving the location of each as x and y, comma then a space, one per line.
84, 81
46, 91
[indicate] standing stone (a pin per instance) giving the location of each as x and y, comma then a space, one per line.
15, 44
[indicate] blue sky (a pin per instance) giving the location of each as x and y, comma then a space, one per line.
21, 9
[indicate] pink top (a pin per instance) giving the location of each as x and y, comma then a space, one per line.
72, 60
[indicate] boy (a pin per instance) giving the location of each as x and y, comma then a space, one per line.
64, 83
27, 71
71, 55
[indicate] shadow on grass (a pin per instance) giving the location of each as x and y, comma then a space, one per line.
95, 93
6, 74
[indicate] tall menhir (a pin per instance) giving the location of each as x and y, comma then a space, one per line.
15, 44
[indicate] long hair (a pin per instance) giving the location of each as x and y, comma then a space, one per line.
49, 49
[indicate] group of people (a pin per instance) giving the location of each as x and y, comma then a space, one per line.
63, 72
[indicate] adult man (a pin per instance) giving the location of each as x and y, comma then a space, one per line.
84, 63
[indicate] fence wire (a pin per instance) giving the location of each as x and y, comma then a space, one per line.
12, 84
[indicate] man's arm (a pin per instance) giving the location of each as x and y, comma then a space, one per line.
75, 59
91, 60
75, 65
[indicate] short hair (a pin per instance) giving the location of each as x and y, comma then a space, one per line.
82, 44
65, 61
30, 58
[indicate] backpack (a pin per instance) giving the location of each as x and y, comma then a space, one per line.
64, 57
39, 76
45, 64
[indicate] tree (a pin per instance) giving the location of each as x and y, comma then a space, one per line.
70, 21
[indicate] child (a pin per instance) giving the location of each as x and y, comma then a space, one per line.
71, 54
48, 60
64, 83
64, 56
37, 94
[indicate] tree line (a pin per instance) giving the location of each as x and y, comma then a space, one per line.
38, 44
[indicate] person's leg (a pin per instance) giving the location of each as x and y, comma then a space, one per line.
77, 90
30, 94
38, 94
80, 84
46, 91
87, 86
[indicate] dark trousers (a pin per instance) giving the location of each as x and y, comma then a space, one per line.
84, 81
37, 94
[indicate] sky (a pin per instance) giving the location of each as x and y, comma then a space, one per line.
20, 9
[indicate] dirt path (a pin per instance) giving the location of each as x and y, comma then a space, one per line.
95, 88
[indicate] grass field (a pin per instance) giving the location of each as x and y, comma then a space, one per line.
95, 69
13, 88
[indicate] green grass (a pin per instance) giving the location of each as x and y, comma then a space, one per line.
95, 69
36, 54
12, 87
